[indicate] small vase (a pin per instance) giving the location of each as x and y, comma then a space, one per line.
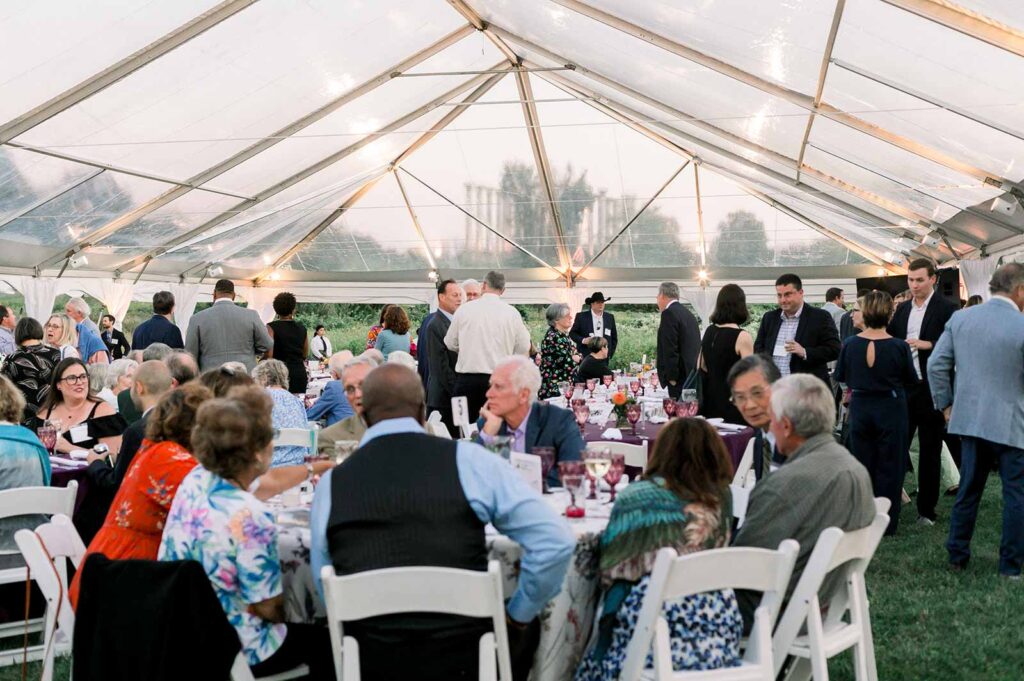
621, 421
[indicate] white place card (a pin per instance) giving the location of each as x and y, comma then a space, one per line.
528, 466
460, 411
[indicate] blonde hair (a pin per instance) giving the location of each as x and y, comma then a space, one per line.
69, 336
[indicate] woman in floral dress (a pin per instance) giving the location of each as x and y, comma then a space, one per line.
683, 502
135, 522
216, 521
558, 356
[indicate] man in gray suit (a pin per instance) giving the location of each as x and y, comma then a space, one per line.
226, 332
985, 407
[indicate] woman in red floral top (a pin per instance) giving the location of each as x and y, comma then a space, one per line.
135, 523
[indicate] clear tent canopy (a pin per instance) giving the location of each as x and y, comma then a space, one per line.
558, 140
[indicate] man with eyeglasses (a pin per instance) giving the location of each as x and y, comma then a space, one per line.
353, 427
750, 382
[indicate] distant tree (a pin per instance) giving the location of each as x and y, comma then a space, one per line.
741, 242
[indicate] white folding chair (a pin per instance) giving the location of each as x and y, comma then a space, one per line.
417, 589
438, 430
823, 639
48, 501
296, 437
677, 576
240, 671
46, 552
744, 476
636, 455
740, 500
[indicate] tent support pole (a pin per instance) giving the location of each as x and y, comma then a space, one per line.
415, 221
971, 24
830, 42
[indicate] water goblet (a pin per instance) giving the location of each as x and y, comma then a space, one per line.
591, 384
571, 474
634, 386
563, 388
48, 436
597, 462
501, 445
654, 380
607, 380
582, 413
578, 401
689, 398
547, 462
633, 412
615, 473
669, 405
570, 389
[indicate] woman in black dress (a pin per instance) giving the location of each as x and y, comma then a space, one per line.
291, 342
724, 344
878, 368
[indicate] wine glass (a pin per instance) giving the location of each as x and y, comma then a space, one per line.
571, 474
578, 401
48, 436
607, 380
689, 398
669, 405
569, 390
563, 388
582, 413
591, 385
633, 412
547, 462
501, 445
597, 461
615, 473
634, 386
654, 380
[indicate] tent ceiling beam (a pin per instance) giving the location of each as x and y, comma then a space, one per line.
796, 98
540, 156
701, 243
305, 173
121, 69
830, 43
492, 230
470, 15
483, 85
633, 219
934, 101
971, 24
252, 150
422, 74
415, 221
49, 197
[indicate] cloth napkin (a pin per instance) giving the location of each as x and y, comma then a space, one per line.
730, 427
611, 434
67, 463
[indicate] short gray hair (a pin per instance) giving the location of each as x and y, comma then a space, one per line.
338, 360
555, 312
470, 282
1007, 278
97, 377
669, 289
361, 360
754, 362
401, 357
270, 373
495, 281
160, 351
80, 305
807, 402
117, 369
525, 374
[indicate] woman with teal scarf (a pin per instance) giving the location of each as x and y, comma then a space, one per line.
24, 462
682, 502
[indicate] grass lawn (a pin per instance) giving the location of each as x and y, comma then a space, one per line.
928, 623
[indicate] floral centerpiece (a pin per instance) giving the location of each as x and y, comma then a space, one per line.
620, 401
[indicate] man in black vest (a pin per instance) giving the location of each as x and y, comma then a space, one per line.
406, 498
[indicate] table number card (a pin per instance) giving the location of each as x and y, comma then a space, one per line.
460, 411
528, 466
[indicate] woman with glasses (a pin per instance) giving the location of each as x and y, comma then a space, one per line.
31, 365
84, 420
61, 334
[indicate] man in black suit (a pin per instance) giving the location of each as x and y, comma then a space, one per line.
441, 360
159, 328
800, 339
678, 340
594, 322
920, 321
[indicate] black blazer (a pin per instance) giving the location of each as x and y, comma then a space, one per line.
938, 312
441, 372
678, 344
422, 366
583, 326
157, 329
816, 332
117, 344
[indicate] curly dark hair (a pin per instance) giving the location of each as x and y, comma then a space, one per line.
284, 304
396, 320
231, 433
175, 414
384, 311
693, 459
222, 379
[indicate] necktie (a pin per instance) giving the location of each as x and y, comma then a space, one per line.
766, 458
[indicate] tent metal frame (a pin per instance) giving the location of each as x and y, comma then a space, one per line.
968, 23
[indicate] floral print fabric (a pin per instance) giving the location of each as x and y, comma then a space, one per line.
288, 412
556, 362
234, 537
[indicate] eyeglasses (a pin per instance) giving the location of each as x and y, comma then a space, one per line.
77, 378
756, 395
353, 389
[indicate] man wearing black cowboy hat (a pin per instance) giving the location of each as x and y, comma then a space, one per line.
594, 322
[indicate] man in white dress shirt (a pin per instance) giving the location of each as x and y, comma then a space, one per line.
484, 332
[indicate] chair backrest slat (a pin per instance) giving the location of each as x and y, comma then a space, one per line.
731, 568
635, 455
295, 437
38, 500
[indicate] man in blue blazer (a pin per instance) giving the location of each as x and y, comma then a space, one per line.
512, 409
333, 405
159, 328
594, 322
985, 407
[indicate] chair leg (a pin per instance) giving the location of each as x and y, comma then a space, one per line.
816, 639
864, 651
488, 670
799, 670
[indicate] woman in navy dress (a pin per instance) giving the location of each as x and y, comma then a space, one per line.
878, 368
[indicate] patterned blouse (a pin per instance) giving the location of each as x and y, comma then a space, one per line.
288, 412
29, 368
556, 363
233, 536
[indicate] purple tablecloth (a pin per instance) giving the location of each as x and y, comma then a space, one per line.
736, 443
61, 475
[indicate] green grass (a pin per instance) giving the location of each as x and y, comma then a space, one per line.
928, 623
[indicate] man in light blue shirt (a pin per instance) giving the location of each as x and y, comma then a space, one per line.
406, 498
91, 347
333, 405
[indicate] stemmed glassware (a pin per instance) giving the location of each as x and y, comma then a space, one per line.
597, 461
572, 473
582, 413
591, 385
634, 386
48, 436
654, 380
578, 401
615, 473
569, 390
669, 405
688, 400
501, 445
547, 462
607, 380
633, 413
565, 388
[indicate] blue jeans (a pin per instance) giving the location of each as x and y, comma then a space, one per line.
977, 458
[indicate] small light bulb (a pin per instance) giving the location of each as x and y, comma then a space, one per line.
275, 275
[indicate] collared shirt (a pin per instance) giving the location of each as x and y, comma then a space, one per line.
7, 344
1007, 301
484, 332
498, 495
447, 314
914, 328
89, 343
518, 436
598, 324
787, 332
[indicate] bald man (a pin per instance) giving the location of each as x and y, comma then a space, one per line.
371, 513
151, 382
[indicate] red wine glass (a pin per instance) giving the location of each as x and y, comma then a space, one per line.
615, 473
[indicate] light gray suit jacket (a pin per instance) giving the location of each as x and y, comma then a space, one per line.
985, 344
226, 332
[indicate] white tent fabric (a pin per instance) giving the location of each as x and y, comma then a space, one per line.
116, 296
977, 274
39, 294
186, 296
564, 141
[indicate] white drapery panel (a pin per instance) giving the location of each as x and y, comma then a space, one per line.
116, 296
976, 274
39, 295
260, 299
185, 298
703, 301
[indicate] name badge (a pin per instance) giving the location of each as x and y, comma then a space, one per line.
780, 348
607, 332
79, 433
